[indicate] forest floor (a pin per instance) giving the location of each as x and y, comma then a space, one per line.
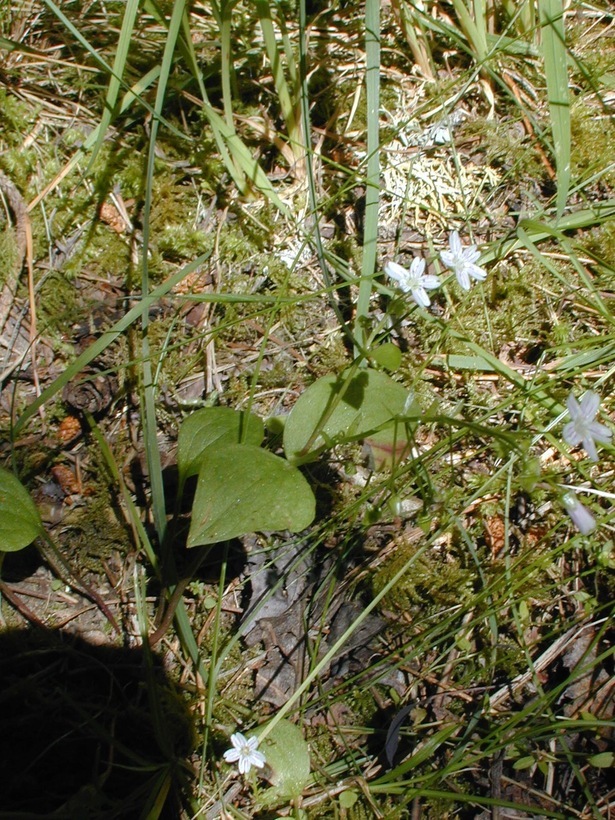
441, 634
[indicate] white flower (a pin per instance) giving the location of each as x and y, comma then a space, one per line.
413, 281
583, 429
583, 520
244, 751
461, 260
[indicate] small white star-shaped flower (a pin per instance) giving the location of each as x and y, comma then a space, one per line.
413, 281
582, 518
245, 753
462, 261
583, 429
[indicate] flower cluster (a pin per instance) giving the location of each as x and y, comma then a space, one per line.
462, 261
583, 429
244, 753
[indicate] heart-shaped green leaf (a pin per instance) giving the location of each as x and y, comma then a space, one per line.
346, 408
214, 425
20, 522
241, 489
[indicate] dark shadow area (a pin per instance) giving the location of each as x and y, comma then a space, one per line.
20, 565
88, 731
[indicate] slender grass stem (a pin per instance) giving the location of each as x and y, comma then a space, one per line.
372, 180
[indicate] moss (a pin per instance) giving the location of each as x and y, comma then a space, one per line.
16, 120
94, 533
526, 306
591, 131
434, 581
59, 305
506, 146
9, 255
279, 375
595, 55
600, 242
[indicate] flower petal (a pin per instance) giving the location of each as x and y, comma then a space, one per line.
590, 448
257, 759
396, 272
599, 432
463, 278
448, 259
570, 434
574, 408
244, 764
455, 243
430, 282
420, 297
417, 267
231, 755
476, 271
589, 405
238, 740
582, 518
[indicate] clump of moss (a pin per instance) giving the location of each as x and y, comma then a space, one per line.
16, 120
600, 242
95, 533
533, 316
58, 303
595, 55
331, 357
8, 254
591, 131
506, 146
433, 583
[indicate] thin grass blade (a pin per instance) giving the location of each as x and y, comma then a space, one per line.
115, 82
148, 387
372, 195
556, 71
286, 95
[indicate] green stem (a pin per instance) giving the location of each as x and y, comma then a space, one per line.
372, 195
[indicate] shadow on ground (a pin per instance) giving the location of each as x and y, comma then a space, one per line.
87, 731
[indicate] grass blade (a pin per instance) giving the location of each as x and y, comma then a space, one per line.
285, 96
372, 195
556, 71
148, 385
115, 82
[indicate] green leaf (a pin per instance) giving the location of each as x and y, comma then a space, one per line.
20, 522
372, 179
242, 489
347, 408
604, 760
387, 355
460, 362
523, 763
214, 425
556, 72
347, 799
288, 756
